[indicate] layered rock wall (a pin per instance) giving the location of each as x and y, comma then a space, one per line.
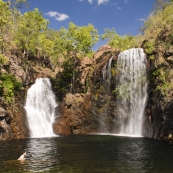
91, 112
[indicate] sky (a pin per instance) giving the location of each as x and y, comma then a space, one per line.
125, 16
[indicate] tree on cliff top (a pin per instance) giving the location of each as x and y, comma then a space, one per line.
78, 40
160, 22
73, 43
31, 25
118, 42
17, 3
5, 24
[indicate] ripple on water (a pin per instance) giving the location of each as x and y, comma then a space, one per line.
87, 154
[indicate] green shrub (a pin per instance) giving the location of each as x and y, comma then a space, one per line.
3, 59
9, 86
149, 46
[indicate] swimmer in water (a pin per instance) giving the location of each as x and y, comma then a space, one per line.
22, 157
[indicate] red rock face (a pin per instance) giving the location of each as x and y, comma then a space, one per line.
74, 116
13, 124
5, 129
78, 113
19, 124
61, 126
82, 113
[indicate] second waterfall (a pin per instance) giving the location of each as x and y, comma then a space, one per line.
131, 90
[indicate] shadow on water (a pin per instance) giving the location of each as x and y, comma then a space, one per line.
87, 154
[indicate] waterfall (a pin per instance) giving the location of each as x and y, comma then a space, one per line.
40, 107
106, 71
104, 74
131, 91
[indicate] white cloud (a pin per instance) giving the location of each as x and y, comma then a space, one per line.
142, 19
126, 1
57, 16
62, 17
114, 4
102, 1
90, 1
51, 13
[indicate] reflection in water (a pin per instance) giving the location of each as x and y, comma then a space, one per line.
87, 154
41, 152
133, 152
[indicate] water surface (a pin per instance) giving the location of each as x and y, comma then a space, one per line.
87, 154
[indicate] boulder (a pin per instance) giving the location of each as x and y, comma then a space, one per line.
5, 128
3, 112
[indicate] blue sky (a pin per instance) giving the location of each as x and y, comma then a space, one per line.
126, 16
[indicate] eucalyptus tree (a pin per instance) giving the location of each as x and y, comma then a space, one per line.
5, 24
118, 42
161, 4
46, 42
13, 4
74, 43
31, 24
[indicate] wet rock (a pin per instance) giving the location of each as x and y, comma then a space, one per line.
19, 123
5, 129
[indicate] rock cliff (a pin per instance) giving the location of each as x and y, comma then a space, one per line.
92, 109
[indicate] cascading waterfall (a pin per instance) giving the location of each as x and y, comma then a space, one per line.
40, 107
106, 71
131, 91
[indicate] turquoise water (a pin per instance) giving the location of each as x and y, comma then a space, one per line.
87, 154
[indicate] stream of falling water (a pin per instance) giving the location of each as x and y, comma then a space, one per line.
131, 91
40, 108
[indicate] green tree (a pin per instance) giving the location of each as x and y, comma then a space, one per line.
27, 35
75, 42
9, 86
159, 22
5, 24
118, 42
45, 43
13, 4
161, 5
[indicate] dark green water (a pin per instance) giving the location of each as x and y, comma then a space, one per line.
87, 154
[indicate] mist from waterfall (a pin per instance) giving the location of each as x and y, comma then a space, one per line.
131, 87
40, 108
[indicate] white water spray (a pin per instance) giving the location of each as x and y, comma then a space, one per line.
40, 107
132, 91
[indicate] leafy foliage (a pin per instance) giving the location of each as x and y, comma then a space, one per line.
119, 42
30, 27
72, 44
3, 59
149, 46
8, 87
160, 20
5, 23
62, 84
162, 80
158, 36
28, 33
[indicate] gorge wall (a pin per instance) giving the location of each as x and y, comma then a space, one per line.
93, 111
159, 116
100, 108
